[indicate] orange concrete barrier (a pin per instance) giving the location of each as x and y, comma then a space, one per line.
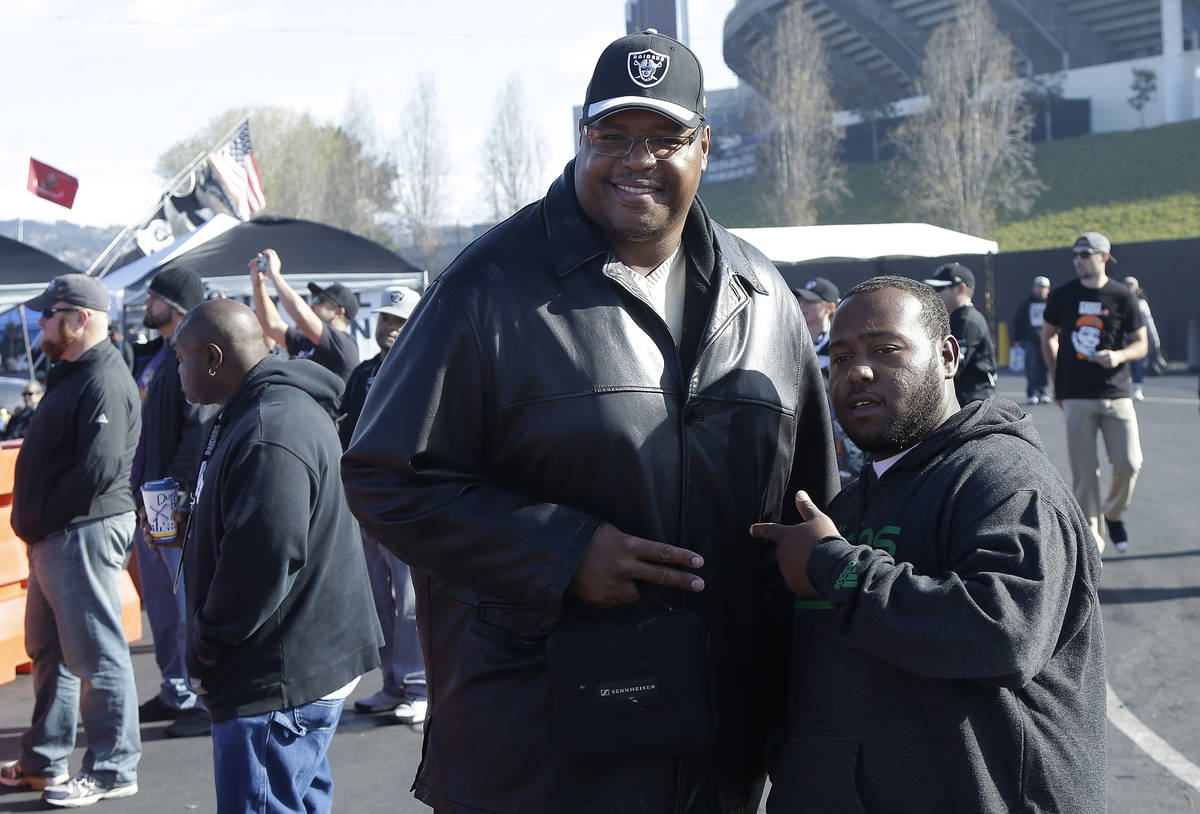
14, 577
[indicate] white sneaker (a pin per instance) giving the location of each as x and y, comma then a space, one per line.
411, 712
1032, 399
85, 789
1137, 394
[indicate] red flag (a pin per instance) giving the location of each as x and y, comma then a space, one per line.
53, 185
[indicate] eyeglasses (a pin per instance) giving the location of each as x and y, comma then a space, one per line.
619, 145
47, 313
1084, 253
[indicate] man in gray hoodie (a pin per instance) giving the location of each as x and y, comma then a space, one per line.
948, 650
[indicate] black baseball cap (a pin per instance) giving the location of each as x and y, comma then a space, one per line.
339, 294
818, 289
76, 289
952, 274
648, 71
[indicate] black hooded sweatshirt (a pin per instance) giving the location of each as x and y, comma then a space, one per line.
959, 662
277, 588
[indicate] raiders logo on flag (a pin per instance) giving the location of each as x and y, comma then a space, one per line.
648, 68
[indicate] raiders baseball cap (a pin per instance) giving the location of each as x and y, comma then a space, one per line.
1096, 242
399, 301
951, 274
76, 289
818, 289
647, 71
339, 294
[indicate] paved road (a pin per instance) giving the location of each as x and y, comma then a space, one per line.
1151, 603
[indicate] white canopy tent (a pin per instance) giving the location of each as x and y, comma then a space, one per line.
865, 241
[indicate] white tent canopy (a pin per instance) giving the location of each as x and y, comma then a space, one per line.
866, 241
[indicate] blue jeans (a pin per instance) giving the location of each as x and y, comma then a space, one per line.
396, 604
165, 608
276, 762
81, 663
1037, 376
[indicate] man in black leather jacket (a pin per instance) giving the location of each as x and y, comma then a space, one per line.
587, 410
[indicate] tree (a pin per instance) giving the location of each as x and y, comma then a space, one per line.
423, 166
1145, 85
513, 153
966, 155
874, 102
310, 169
1042, 93
798, 166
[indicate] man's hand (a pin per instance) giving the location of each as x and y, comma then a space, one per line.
1108, 358
615, 560
795, 544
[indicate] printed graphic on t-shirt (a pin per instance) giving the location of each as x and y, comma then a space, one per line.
1088, 333
1036, 310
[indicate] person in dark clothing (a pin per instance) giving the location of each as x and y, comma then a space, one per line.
957, 660
403, 693
976, 379
73, 506
585, 413
173, 436
322, 331
1027, 334
18, 425
280, 625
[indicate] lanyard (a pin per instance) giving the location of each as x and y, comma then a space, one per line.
209, 448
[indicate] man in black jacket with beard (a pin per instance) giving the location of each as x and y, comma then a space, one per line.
173, 436
280, 625
958, 664
73, 505
583, 416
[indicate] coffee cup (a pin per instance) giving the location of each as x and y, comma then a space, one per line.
160, 498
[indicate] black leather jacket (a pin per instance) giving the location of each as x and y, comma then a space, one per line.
531, 398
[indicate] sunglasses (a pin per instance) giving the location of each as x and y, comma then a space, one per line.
47, 313
1084, 253
28, 393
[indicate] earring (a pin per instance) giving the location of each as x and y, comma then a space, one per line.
212, 372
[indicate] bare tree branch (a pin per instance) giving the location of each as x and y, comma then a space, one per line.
423, 166
513, 153
798, 166
966, 155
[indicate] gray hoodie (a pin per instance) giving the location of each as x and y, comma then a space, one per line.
959, 663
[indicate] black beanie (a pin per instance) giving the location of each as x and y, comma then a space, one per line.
179, 287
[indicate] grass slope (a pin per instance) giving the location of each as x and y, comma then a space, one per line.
1133, 186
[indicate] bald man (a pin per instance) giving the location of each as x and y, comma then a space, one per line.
277, 590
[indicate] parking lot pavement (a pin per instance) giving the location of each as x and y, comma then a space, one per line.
1150, 599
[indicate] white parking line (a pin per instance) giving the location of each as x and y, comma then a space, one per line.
1154, 746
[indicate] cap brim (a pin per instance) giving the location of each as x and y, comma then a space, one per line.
315, 289
41, 302
395, 312
807, 294
938, 283
677, 113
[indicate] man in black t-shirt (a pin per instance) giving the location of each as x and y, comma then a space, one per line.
1091, 328
322, 331
976, 377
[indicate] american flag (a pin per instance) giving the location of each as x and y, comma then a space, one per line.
234, 165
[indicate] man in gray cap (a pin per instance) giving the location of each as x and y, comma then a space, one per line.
592, 404
976, 377
173, 434
322, 331
1026, 333
73, 505
403, 693
1091, 330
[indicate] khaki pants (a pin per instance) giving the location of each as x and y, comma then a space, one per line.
1116, 421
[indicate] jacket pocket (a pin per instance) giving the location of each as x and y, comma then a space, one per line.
514, 626
817, 776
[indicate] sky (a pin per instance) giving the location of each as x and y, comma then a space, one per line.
101, 90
